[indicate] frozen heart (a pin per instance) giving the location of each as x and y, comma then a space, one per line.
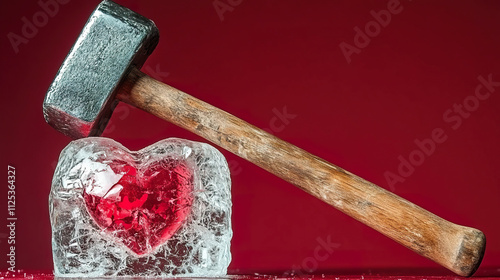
162, 211
139, 202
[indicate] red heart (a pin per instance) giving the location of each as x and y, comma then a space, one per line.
144, 207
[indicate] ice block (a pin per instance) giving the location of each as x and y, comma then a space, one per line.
162, 211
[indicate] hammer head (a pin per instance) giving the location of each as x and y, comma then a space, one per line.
80, 100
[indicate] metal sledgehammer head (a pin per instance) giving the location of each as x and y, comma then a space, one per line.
81, 99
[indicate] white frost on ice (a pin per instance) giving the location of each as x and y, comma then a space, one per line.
98, 178
114, 193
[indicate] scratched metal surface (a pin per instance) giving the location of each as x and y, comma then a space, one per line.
113, 39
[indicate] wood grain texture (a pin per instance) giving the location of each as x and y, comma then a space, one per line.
456, 247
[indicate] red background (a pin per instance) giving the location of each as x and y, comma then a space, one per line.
263, 55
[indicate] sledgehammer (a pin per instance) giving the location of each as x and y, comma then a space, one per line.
103, 67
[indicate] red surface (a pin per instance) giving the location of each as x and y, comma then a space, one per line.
257, 276
279, 65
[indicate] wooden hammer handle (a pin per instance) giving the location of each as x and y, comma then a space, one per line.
456, 247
